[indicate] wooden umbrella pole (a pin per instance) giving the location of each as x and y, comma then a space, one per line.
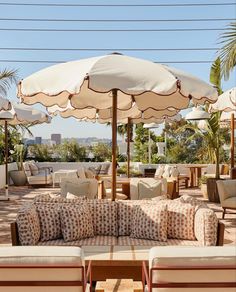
128, 147
232, 141
114, 142
6, 159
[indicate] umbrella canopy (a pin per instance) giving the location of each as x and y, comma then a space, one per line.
115, 82
227, 103
19, 114
4, 104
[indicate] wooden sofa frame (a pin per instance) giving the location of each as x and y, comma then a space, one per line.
86, 275
147, 277
219, 241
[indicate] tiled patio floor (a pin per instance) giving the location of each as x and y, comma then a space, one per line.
20, 195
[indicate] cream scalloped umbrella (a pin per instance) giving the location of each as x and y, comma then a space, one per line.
5, 104
114, 82
19, 114
227, 104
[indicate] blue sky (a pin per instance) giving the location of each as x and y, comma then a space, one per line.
110, 40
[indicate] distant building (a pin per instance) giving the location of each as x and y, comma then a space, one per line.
29, 142
56, 138
38, 140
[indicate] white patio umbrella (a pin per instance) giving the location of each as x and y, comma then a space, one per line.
227, 104
19, 114
114, 82
5, 104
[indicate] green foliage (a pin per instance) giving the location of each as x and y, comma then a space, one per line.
19, 154
202, 180
102, 152
141, 143
40, 153
215, 75
14, 137
121, 158
124, 169
7, 78
70, 151
227, 53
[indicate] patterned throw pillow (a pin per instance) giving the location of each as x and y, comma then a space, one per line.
76, 222
149, 190
49, 218
180, 220
28, 225
104, 216
149, 222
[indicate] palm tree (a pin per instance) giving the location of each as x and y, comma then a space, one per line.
7, 78
227, 53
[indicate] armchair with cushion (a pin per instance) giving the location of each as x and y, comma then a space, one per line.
37, 175
227, 194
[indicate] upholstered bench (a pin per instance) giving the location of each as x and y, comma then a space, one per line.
187, 268
54, 269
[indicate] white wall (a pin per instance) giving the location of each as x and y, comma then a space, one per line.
11, 166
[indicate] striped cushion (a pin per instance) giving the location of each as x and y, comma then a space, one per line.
127, 241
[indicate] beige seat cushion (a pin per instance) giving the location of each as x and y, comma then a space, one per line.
230, 203
193, 256
77, 189
149, 190
37, 256
40, 178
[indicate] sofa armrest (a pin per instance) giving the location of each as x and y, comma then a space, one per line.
205, 226
220, 234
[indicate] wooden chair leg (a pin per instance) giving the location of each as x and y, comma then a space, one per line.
223, 214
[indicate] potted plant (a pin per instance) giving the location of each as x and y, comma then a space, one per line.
18, 176
203, 186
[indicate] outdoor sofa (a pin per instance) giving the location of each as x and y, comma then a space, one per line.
83, 222
43, 268
190, 269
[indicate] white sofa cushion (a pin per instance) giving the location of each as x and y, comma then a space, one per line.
149, 222
40, 178
149, 190
81, 187
78, 189
76, 222
134, 181
33, 168
36, 256
192, 256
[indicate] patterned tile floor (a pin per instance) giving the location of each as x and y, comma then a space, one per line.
21, 195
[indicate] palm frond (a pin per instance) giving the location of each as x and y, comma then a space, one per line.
7, 78
227, 53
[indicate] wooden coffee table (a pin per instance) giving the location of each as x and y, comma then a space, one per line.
116, 262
